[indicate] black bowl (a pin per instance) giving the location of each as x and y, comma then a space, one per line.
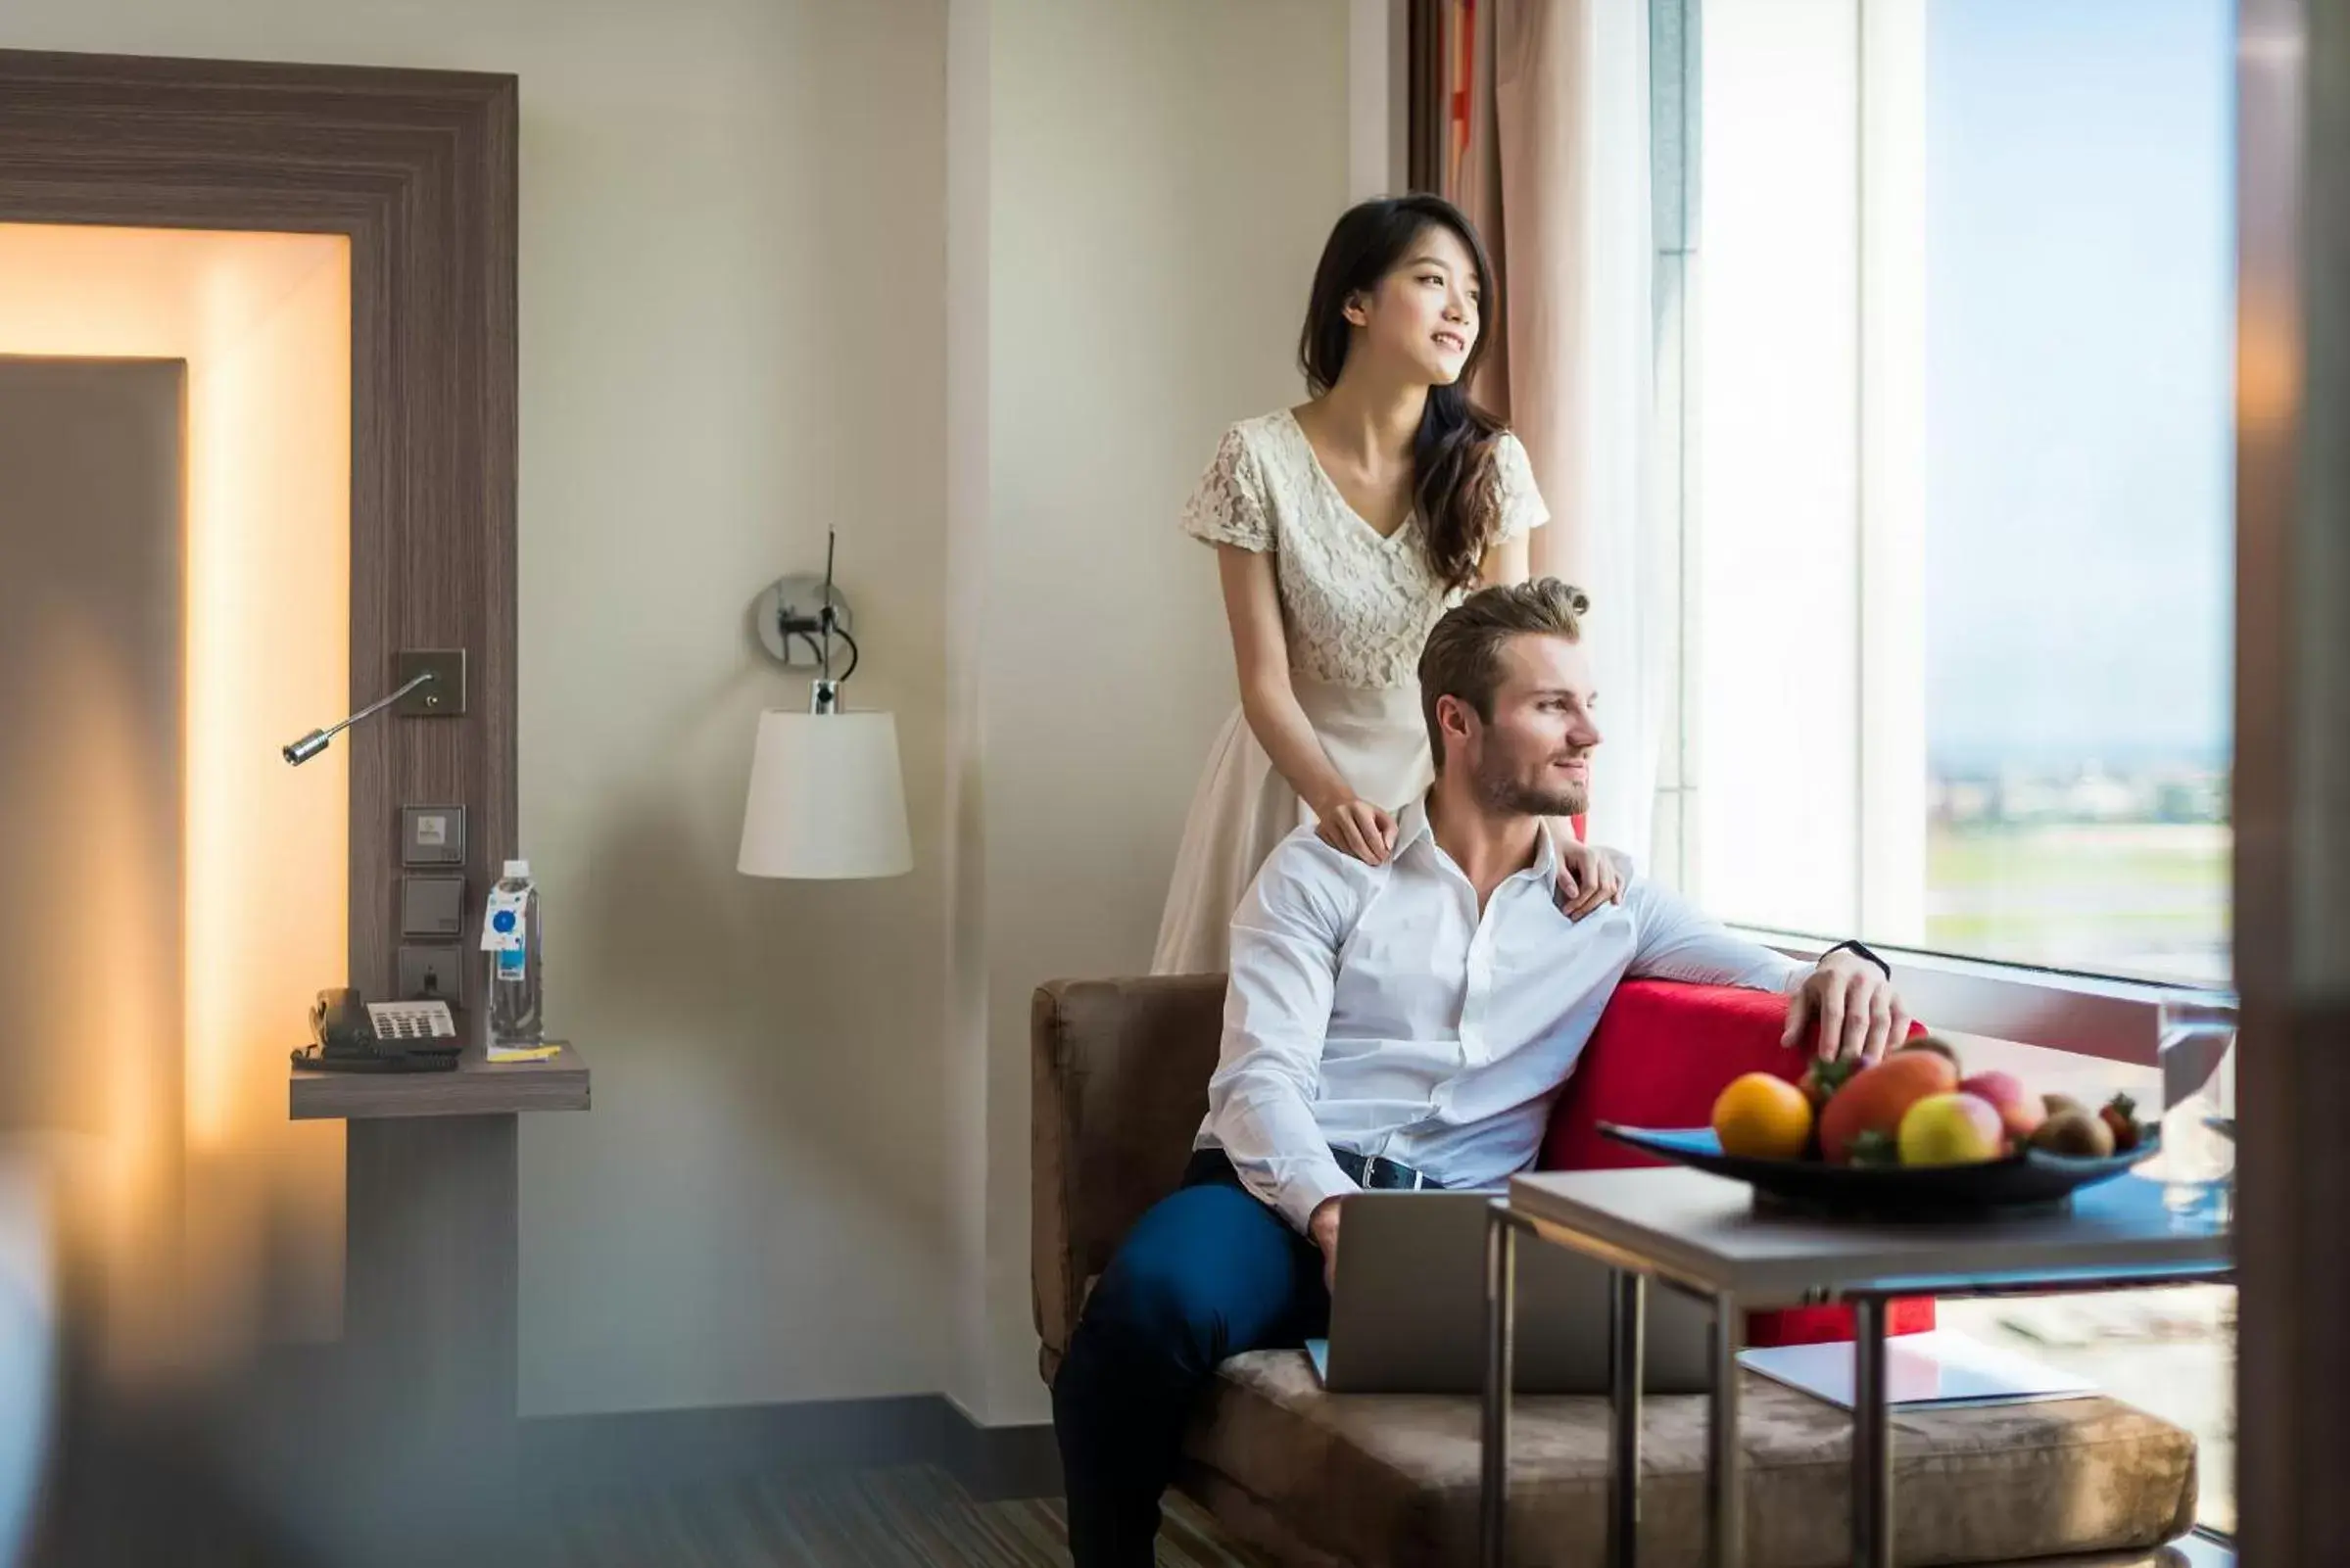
2031, 1180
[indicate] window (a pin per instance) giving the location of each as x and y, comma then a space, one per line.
1960, 476
2079, 313
1953, 329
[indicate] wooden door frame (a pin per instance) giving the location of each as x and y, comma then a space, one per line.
417, 170
2292, 777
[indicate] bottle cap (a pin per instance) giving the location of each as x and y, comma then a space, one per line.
517, 868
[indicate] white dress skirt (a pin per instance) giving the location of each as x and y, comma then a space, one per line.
1356, 607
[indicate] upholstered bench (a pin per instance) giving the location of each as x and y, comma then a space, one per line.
1121, 1071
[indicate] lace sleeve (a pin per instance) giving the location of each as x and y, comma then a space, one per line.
1229, 505
1521, 506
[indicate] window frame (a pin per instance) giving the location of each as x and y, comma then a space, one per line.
2108, 1016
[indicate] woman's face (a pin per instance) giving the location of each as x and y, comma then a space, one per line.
1422, 320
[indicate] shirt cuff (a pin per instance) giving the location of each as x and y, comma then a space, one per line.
1308, 1188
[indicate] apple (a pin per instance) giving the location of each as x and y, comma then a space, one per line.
2020, 1110
1951, 1130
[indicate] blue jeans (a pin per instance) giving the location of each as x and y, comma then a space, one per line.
1210, 1271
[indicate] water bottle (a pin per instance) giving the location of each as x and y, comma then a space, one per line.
509, 934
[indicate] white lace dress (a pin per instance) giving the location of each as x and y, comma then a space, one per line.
1356, 608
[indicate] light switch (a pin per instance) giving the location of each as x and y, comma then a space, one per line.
432, 906
432, 975
432, 835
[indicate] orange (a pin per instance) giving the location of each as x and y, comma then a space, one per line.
1762, 1117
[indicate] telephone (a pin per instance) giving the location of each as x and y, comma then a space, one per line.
353, 1035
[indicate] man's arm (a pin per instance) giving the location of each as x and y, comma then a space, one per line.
1678, 941
1856, 1009
1285, 940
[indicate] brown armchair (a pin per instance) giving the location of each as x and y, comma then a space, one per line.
1121, 1082
1314, 1480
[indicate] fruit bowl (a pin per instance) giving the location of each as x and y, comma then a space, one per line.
2033, 1178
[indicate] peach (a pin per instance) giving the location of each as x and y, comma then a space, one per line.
2021, 1111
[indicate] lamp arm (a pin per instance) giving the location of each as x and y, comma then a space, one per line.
311, 744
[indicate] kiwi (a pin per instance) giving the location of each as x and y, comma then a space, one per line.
2058, 1104
2076, 1134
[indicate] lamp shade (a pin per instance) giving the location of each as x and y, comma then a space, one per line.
826, 798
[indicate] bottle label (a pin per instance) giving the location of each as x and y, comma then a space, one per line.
502, 928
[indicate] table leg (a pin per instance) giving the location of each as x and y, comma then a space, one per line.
1872, 1440
1501, 1292
429, 1298
1725, 1492
1627, 1323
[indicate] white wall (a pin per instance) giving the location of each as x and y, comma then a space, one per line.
806, 1172
1163, 177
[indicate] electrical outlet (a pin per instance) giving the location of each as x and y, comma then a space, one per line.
432, 973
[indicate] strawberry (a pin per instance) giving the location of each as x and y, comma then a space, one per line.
1822, 1080
2119, 1114
1874, 1147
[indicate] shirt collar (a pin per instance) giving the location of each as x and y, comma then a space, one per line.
1411, 825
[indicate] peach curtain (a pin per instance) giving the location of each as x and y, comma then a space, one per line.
1532, 116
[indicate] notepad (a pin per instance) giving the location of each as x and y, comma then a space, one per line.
1937, 1369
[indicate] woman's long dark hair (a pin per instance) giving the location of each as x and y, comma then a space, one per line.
1453, 457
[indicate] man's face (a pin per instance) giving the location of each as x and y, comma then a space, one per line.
1535, 756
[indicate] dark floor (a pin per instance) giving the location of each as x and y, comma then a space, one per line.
893, 1518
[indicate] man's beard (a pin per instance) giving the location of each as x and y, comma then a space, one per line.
1505, 793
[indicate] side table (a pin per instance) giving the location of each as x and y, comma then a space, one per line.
431, 1184
1706, 1236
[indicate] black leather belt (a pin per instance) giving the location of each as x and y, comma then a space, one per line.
1382, 1174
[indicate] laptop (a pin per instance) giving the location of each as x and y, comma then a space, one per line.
1409, 1313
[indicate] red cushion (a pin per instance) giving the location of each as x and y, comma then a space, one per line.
1661, 1053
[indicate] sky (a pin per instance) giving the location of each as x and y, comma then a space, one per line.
2078, 360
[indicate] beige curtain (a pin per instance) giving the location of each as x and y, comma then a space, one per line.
1532, 116
1499, 88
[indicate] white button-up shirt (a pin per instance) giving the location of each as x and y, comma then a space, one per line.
1372, 1009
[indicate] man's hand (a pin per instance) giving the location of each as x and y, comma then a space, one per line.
1322, 1228
1858, 1012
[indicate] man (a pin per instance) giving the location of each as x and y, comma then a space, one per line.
1393, 1025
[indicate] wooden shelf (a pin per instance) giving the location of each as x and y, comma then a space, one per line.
477, 1088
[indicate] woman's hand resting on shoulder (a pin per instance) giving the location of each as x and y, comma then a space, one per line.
1587, 876
1354, 825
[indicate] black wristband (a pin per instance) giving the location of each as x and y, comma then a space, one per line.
1855, 947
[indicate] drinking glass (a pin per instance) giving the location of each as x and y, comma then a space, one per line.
2197, 1048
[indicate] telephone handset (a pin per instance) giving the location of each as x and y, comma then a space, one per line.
352, 1035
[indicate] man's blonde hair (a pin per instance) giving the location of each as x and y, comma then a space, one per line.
1463, 657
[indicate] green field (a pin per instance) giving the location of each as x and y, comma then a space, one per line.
2135, 898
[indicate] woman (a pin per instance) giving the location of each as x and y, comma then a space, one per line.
1343, 528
